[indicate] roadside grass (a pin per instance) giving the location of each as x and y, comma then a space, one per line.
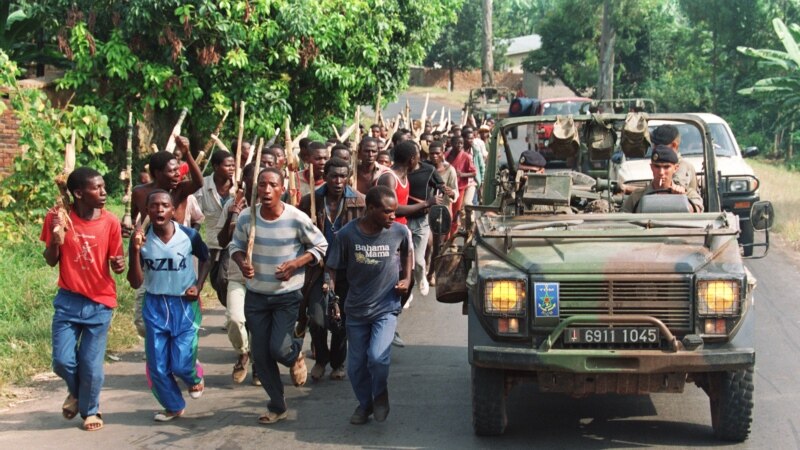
778, 185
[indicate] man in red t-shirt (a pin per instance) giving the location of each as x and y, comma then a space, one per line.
85, 253
465, 169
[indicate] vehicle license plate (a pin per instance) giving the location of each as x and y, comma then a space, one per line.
645, 335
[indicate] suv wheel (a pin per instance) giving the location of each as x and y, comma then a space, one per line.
488, 402
731, 398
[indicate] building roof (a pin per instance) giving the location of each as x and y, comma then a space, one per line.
523, 44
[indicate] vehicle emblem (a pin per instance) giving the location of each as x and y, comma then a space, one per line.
546, 296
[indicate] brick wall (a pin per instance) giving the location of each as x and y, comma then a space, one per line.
9, 138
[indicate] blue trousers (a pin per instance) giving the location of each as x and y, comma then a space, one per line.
271, 320
369, 355
170, 344
80, 332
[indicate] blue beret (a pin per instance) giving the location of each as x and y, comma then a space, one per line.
663, 153
532, 158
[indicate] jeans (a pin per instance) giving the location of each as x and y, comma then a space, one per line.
271, 320
420, 232
80, 332
370, 351
234, 313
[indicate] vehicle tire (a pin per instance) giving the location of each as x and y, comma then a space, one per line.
488, 402
746, 236
731, 399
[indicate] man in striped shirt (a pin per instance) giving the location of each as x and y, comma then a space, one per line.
285, 242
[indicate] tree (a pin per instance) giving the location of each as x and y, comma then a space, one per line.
782, 90
312, 59
487, 62
458, 47
605, 82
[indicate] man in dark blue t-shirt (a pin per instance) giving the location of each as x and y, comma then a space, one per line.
372, 250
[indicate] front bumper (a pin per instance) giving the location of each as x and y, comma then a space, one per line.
735, 354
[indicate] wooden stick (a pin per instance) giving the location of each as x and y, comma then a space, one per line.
62, 202
291, 161
237, 174
336, 133
176, 131
378, 111
354, 146
126, 199
350, 130
210, 144
251, 238
313, 196
274, 137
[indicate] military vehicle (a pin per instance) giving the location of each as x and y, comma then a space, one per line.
490, 102
584, 300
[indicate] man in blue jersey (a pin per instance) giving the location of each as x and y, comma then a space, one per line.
285, 242
373, 251
161, 260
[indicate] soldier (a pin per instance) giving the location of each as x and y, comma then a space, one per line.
664, 164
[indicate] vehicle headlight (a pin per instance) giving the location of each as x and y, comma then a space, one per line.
504, 297
738, 186
718, 298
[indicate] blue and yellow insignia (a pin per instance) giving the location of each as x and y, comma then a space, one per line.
546, 298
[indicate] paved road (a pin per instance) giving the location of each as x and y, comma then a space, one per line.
430, 397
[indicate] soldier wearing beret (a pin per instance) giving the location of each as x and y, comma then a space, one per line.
664, 163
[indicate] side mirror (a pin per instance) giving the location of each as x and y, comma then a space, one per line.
762, 215
749, 152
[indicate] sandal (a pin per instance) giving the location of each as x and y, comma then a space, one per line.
166, 416
70, 407
93, 423
270, 417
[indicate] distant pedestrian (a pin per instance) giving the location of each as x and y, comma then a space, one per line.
87, 294
161, 261
372, 251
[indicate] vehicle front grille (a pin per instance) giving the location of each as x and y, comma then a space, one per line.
669, 300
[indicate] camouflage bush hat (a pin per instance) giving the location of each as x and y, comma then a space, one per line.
663, 153
532, 158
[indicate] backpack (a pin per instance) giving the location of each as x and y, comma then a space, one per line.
564, 141
600, 138
635, 136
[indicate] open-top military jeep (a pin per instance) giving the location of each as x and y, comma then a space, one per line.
584, 300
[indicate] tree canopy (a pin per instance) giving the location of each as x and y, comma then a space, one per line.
313, 59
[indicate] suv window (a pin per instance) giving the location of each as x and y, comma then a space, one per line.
561, 108
692, 143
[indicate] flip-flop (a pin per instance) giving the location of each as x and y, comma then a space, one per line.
70, 408
272, 417
165, 416
93, 423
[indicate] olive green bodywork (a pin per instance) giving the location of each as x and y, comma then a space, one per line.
613, 271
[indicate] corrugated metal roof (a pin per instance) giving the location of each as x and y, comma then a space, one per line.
523, 44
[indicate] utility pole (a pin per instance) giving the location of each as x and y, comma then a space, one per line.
605, 82
487, 58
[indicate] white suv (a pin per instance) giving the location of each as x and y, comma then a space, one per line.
738, 183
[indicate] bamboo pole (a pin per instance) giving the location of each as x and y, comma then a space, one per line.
128, 176
291, 160
176, 131
251, 238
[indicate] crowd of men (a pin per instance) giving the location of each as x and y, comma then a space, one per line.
342, 262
